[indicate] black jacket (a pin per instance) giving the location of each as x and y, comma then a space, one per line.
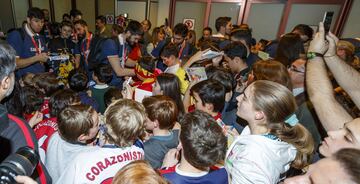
14, 134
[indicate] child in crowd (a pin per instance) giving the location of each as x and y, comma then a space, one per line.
203, 146
170, 58
169, 85
209, 97
228, 114
78, 81
146, 72
78, 126
47, 127
102, 76
27, 80
48, 84
32, 99
139, 172
124, 124
162, 113
112, 95
273, 141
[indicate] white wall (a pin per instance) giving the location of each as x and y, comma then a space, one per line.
20, 8
311, 14
264, 19
352, 25
135, 9
61, 7
163, 11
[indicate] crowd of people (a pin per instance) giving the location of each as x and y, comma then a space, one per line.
121, 106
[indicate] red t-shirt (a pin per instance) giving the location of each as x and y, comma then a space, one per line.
44, 130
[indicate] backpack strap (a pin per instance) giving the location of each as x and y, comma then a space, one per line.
21, 32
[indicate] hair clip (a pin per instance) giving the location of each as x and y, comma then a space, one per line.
292, 120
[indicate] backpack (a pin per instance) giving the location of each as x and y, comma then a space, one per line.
96, 47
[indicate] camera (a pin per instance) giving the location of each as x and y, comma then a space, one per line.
23, 162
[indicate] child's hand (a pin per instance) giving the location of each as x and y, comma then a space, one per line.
171, 158
127, 92
38, 116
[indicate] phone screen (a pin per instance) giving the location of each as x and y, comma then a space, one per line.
327, 20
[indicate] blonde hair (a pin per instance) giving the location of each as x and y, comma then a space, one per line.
278, 103
124, 120
138, 172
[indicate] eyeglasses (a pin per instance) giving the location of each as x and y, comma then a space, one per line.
294, 69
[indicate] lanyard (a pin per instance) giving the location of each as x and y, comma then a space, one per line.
182, 49
38, 50
85, 48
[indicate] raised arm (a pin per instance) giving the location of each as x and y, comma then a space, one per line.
331, 114
346, 76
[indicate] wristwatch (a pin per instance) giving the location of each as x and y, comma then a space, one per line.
312, 55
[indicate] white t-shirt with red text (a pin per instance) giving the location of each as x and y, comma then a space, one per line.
100, 165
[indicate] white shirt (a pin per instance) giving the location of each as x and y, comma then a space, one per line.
253, 159
99, 165
172, 69
60, 154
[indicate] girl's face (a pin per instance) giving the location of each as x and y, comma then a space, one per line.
161, 36
245, 108
157, 89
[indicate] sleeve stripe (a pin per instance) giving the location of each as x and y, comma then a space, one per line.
30, 143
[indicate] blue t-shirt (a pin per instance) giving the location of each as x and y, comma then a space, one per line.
25, 49
111, 48
219, 176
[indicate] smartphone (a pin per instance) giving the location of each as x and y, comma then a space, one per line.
328, 16
166, 22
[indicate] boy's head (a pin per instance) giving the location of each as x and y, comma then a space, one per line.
66, 29
62, 99
78, 81
145, 68
162, 112
27, 80
209, 96
111, 95
47, 83
202, 139
103, 73
124, 122
78, 123
221, 75
235, 56
35, 19
241, 35
75, 15
31, 98
169, 54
